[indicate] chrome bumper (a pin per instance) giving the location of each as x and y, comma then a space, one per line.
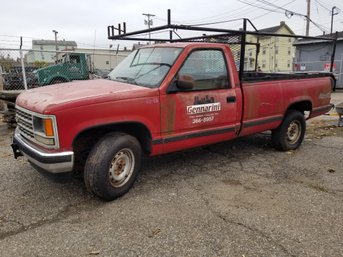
50, 162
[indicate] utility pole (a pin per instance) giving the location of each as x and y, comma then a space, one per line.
332, 14
56, 56
148, 22
110, 56
308, 17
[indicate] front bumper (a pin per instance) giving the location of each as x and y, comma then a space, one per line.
51, 162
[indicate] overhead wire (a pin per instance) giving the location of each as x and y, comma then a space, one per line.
322, 5
288, 12
259, 6
217, 18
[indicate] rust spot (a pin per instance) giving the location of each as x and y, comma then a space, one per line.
168, 110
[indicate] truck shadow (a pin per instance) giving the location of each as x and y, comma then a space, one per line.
199, 161
188, 163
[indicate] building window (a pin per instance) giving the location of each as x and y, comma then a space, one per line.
107, 62
289, 51
288, 64
263, 63
275, 64
264, 51
74, 59
276, 50
289, 40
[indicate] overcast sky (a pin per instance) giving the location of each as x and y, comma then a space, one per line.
86, 21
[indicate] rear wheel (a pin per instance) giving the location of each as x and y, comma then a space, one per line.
290, 134
112, 165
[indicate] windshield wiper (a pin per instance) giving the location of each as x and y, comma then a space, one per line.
151, 70
151, 63
128, 80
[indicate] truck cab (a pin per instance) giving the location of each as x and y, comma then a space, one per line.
72, 66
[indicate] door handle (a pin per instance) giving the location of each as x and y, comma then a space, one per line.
231, 99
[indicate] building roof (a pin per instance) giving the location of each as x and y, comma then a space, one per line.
52, 42
275, 29
306, 41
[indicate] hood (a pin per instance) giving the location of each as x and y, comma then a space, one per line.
78, 93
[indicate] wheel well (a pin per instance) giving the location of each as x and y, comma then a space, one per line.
301, 106
85, 140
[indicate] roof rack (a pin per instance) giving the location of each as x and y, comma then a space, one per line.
221, 35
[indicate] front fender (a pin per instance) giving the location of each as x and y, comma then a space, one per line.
59, 77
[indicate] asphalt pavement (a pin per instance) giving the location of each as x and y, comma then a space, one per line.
237, 198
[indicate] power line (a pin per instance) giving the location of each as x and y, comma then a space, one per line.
269, 11
258, 6
217, 22
322, 5
218, 17
231, 20
288, 12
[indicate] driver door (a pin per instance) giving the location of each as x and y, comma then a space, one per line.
205, 112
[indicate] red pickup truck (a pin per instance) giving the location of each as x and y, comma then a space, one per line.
160, 99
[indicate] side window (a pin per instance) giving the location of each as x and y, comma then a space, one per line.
74, 59
207, 68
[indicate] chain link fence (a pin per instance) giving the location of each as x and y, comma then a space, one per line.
316, 56
35, 68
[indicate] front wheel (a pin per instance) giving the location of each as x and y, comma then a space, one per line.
290, 134
112, 165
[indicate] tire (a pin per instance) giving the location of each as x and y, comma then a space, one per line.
113, 165
290, 134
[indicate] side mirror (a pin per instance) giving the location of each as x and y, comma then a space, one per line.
185, 82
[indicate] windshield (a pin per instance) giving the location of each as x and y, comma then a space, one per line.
146, 66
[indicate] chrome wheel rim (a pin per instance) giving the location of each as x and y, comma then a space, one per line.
121, 168
294, 132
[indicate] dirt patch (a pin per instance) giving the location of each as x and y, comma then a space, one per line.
318, 129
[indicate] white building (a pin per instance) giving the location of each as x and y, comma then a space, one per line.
44, 50
105, 58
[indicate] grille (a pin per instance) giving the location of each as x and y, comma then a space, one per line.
25, 123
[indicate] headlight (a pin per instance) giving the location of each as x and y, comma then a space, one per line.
44, 130
39, 128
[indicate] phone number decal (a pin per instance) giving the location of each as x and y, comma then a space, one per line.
202, 120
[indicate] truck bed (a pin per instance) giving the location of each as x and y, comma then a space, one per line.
253, 76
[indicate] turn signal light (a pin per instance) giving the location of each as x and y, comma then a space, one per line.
48, 127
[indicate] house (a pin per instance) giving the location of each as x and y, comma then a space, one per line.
276, 53
315, 55
44, 50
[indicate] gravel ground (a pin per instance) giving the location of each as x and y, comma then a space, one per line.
238, 198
